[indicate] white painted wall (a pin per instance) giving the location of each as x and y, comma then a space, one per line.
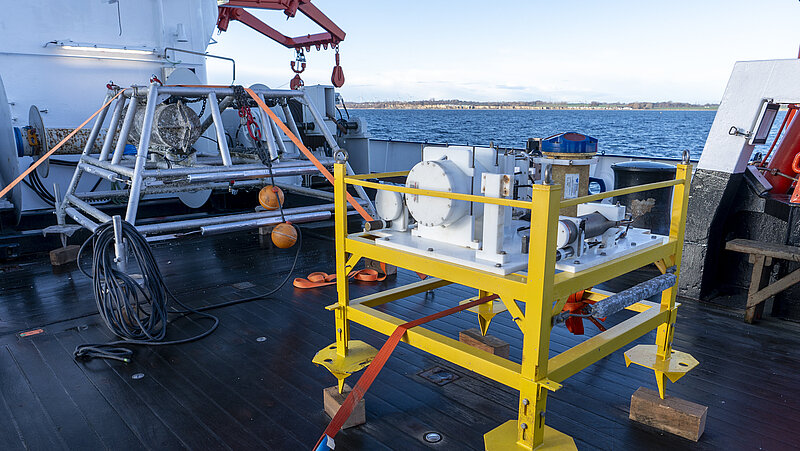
70, 84
750, 83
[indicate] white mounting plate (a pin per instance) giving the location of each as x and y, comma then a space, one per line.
452, 253
636, 239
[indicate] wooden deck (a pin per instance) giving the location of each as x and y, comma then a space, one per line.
232, 391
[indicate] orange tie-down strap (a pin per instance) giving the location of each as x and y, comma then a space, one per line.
366, 379
306, 152
321, 279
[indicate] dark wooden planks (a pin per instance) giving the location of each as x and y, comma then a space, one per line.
230, 390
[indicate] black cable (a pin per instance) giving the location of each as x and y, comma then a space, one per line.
137, 313
120, 298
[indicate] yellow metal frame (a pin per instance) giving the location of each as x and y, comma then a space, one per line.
543, 292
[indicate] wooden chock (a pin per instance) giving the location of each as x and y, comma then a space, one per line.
64, 255
674, 415
333, 400
488, 343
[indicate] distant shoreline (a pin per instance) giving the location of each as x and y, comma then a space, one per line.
358, 107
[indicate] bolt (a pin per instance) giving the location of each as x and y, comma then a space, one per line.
430, 249
339, 330
577, 262
653, 237
525, 402
541, 414
603, 254
523, 426
498, 265
137, 376
261, 339
502, 252
633, 244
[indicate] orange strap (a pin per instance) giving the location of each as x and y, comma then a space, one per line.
377, 364
306, 152
321, 279
56, 147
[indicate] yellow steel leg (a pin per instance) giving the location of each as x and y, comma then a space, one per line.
666, 363
345, 356
529, 431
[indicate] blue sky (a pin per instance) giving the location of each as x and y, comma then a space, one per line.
571, 50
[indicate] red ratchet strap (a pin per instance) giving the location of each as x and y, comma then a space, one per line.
377, 364
321, 279
576, 304
306, 152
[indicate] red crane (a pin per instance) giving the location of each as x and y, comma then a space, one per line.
333, 35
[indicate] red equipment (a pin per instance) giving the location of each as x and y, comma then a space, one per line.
333, 35
779, 169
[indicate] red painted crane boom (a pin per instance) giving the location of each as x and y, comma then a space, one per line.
234, 10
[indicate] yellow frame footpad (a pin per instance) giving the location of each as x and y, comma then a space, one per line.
542, 291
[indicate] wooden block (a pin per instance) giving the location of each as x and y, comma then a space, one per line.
64, 255
677, 416
376, 265
333, 400
488, 343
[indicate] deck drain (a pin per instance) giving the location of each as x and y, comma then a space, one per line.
438, 375
137, 376
433, 437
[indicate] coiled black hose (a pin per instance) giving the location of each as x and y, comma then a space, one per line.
138, 311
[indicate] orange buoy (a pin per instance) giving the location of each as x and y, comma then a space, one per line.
284, 235
270, 197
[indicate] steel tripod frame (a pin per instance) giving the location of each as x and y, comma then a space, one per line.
141, 181
542, 292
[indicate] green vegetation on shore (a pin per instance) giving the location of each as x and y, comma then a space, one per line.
520, 105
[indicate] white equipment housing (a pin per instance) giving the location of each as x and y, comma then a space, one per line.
484, 236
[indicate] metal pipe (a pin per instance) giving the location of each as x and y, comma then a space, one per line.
81, 219
623, 299
254, 223
76, 176
278, 138
91, 209
183, 171
221, 141
112, 128
253, 174
188, 91
287, 113
102, 173
320, 121
319, 194
118, 168
141, 154
173, 226
119, 245
271, 136
98, 123
223, 105
169, 189
122, 140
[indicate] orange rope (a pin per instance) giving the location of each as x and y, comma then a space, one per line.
308, 154
56, 147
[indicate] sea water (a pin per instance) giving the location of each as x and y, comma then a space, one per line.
619, 132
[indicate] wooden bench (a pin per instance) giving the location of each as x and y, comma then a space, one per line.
761, 255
